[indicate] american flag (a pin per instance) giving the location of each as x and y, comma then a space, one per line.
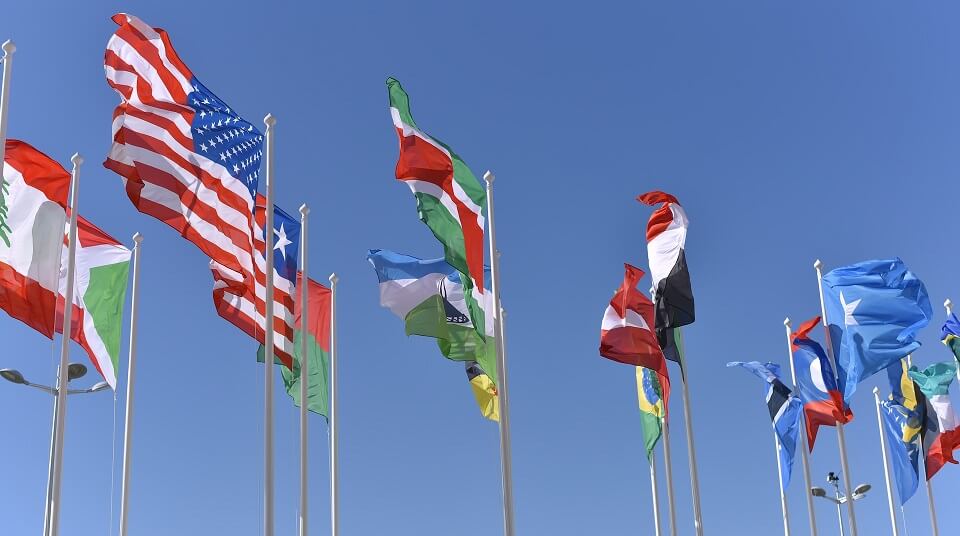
185, 156
244, 307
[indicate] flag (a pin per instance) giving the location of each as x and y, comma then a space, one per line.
784, 410
245, 307
651, 407
626, 335
672, 345
823, 405
666, 237
941, 432
33, 213
318, 349
186, 157
875, 310
484, 390
950, 334
901, 428
450, 199
100, 291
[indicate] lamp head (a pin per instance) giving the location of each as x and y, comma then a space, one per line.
818, 492
99, 387
76, 370
861, 490
12, 376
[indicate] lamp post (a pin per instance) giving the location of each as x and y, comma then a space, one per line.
839, 499
74, 371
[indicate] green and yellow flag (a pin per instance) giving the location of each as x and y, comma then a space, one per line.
651, 407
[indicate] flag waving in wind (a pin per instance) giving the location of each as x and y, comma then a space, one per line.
823, 404
666, 239
875, 309
950, 334
940, 434
651, 407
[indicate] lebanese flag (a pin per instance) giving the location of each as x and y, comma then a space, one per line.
626, 334
823, 403
33, 213
666, 236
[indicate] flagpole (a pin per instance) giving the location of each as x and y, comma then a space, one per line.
783, 494
8, 49
304, 368
811, 515
668, 475
841, 438
886, 467
948, 305
691, 449
269, 350
506, 465
131, 372
654, 493
65, 348
334, 455
935, 531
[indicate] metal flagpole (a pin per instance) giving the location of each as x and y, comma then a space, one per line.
933, 511
841, 438
131, 372
886, 467
334, 456
691, 449
811, 516
65, 349
269, 351
783, 493
668, 475
8, 49
655, 493
304, 368
506, 465
948, 305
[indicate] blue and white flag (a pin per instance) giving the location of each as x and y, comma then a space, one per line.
785, 410
902, 426
875, 309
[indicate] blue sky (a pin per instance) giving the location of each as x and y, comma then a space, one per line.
788, 132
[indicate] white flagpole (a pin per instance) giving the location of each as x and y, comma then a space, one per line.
65, 349
886, 467
8, 49
269, 352
131, 372
691, 449
783, 494
655, 493
304, 369
668, 475
811, 516
506, 464
841, 438
334, 455
948, 305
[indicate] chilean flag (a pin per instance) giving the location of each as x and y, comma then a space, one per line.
817, 384
626, 333
666, 238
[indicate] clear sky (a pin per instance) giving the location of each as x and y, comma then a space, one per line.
788, 132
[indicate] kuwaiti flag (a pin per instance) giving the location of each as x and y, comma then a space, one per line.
666, 238
823, 403
626, 332
33, 212
940, 435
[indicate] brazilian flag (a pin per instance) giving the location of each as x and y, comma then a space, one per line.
649, 394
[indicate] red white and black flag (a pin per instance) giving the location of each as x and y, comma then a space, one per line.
666, 236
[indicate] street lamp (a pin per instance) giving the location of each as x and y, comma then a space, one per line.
859, 492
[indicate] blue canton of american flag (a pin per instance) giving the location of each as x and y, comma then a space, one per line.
223, 136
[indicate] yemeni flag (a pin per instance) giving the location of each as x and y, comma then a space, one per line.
626, 333
666, 237
450, 199
940, 434
33, 213
318, 349
100, 290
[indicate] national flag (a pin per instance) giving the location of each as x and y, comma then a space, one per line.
784, 410
901, 428
941, 432
950, 334
245, 307
185, 156
100, 291
626, 333
33, 213
651, 407
875, 309
318, 349
484, 390
672, 345
666, 239
823, 405
450, 199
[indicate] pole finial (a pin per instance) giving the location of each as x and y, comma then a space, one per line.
876, 389
304, 209
76, 159
489, 176
817, 264
269, 120
9, 48
137, 238
333, 279
948, 305
786, 322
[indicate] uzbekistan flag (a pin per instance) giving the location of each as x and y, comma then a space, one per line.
823, 403
940, 434
626, 334
666, 237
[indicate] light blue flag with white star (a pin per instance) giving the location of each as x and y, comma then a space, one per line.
875, 309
